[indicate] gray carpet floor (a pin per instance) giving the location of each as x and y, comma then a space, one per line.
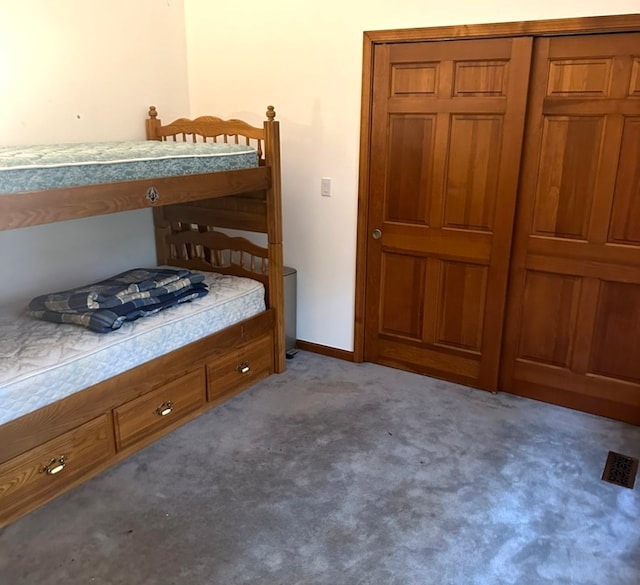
339, 473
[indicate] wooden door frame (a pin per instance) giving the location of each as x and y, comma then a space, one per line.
535, 28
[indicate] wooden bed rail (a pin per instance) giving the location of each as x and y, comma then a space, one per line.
186, 237
190, 247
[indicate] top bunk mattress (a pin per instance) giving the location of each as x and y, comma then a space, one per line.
56, 166
42, 362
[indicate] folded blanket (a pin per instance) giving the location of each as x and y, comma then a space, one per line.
135, 284
105, 320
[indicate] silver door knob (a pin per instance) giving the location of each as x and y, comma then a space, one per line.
376, 234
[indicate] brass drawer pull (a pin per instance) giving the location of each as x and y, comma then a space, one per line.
244, 367
55, 466
165, 408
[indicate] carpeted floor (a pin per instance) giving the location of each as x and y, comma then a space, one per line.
339, 473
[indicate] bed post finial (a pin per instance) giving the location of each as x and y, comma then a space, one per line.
153, 124
271, 113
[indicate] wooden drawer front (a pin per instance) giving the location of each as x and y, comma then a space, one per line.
241, 368
161, 408
41, 473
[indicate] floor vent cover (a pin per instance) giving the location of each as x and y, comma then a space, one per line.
620, 469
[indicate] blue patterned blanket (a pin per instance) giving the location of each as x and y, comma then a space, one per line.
104, 306
132, 285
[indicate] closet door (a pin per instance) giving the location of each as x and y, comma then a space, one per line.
446, 133
573, 330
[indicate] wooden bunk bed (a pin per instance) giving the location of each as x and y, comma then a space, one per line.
56, 447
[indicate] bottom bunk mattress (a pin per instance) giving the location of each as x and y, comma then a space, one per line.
42, 362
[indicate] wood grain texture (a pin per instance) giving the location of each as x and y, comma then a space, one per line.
204, 127
258, 209
403, 295
130, 400
23, 482
334, 352
33, 429
549, 296
231, 212
559, 26
364, 185
443, 166
574, 296
40, 207
275, 245
589, 203
240, 368
143, 417
185, 215
460, 317
625, 214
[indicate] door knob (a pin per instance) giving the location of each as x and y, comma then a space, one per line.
376, 234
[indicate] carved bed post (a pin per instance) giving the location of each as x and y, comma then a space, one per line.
162, 229
153, 124
274, 223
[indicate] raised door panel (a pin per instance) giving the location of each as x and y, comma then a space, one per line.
566, 177
476, 77
460, 307
472, 172
409, 155
411, 79
580, 77
549, 314
447, 126
403, 293
625, 214
571, 335
616, 332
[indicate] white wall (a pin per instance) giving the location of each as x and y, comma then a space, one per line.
306, 59
73, 71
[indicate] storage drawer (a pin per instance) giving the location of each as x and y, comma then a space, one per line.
154, 411
40, 474
240, 368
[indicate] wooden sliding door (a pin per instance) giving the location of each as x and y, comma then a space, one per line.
573, 330
446, 131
